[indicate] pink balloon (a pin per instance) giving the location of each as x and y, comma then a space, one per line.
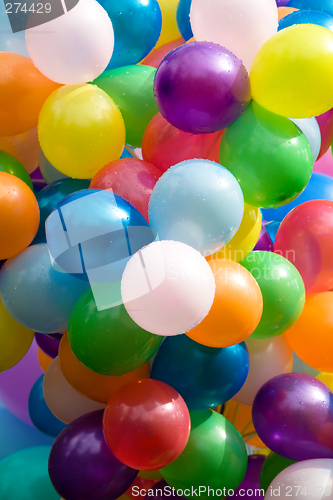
325, 164
16, 384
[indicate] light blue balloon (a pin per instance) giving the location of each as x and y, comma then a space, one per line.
35, 294
197, 202
9, 41
311, 130
300, 367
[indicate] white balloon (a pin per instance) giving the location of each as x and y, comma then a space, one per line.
62, 399
75, 47
306, 479
242, 26
268, 358
311, 130
168, 288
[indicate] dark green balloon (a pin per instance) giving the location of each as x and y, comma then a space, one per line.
215, 456
24, 475
131, 88
10, 165
282, 291
273, 465
108, 341
269, 156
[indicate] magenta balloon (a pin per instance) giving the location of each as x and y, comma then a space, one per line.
82, 467
325, 164
293, 416
16, 384
264, 242
201, 87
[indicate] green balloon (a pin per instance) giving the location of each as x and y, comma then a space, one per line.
282, 291
132, 89
273, 465
215, 456
10, 165
108, 341
24, 475
269, 156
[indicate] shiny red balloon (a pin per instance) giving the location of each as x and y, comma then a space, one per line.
165, 145
130, 178
146, 424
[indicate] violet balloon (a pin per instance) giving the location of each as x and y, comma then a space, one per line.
293, 416
161, 491
201, 87
82, 467
264, 243
49, 345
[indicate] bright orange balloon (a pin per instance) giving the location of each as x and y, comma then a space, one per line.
25, 147
43, 359
311, 337
236, 310
91, 384
285, 11
23, 91
19, 215
156, 56
243, 417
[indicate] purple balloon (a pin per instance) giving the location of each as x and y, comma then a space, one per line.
293, 416
162, 491
201, 87
16, 384
251, 482
37, 175
82, 467
281, 3
264, 243
47, 344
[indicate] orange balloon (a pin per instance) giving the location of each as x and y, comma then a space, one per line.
44, 360
25, 147
156, 56
23, 91
19, 215
243, 418
237, 306
311, 337
91, 384
285, 11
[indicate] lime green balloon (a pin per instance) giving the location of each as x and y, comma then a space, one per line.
24, 475
282, 291
269, 156
131, 88
108, 341
273, 465
215, 456
10, 165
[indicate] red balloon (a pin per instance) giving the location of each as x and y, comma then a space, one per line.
130, 178
165, 145
325, 122
146, 424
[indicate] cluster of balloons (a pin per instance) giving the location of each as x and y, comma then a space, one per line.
166, 226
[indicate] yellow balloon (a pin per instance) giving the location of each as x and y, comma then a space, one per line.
245, 239
326, 378
80, 130
170, 29
292, 73
15, 340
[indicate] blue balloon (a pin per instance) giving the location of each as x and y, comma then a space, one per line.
50, 196
324, 5
93, 233
272, 228
199, 203
137, 27
42, 418
320, 187
204, 376
183, 19
318, 17
35, 294
15, 435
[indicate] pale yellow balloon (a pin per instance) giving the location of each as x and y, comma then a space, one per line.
245, 239
170, 29
326, 378
292, 73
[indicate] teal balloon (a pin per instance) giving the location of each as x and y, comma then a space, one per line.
49, 173
24, 475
